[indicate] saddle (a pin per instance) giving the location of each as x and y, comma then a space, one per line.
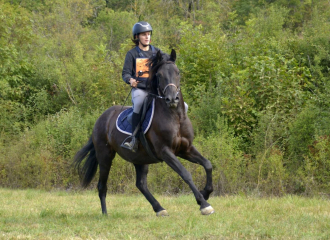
124, 124
124, 120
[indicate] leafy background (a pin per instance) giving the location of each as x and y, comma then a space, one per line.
254, 73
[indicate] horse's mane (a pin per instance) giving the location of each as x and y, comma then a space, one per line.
154, 64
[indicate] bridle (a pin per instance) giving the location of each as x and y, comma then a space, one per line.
168, 85
162, 96
161, 93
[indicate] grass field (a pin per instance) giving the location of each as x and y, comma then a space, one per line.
34, 214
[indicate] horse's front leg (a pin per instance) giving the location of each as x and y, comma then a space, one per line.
141, 184
194, 156
176, 165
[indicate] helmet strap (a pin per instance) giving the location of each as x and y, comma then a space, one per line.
144, 45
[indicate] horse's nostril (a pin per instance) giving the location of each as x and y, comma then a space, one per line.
177, 99
167, 100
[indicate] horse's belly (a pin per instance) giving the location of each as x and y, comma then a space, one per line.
137, 158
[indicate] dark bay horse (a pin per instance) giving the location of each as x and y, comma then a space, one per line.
170, 135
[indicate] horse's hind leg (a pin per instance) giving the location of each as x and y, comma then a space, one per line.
195, 157
104, 157
141, 184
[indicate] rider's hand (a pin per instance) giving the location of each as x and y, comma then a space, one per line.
133, 82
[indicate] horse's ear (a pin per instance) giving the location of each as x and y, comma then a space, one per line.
173, 55
159, 56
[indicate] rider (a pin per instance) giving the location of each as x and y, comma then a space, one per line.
142, 32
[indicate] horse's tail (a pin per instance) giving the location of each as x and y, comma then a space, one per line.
89, 168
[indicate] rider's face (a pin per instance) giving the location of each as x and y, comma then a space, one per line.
145, 38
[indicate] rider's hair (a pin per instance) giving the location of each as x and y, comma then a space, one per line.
136, 40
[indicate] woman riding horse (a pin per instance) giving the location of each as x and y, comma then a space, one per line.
137, 78
143, 50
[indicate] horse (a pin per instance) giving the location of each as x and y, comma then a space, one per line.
169, 136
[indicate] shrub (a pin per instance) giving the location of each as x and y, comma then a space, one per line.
42, 156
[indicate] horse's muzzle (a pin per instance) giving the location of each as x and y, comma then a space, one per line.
172, 103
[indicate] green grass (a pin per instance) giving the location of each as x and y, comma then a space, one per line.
34, 214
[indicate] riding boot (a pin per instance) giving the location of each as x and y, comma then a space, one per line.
133, 145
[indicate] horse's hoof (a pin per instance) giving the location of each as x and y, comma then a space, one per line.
162, 213
207, 211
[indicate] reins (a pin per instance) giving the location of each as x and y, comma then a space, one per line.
140, 73
162, 97
126, 99
155, 95
165, 88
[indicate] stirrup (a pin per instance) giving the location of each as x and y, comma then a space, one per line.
132, 145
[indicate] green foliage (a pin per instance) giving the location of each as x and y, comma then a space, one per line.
299, 11
313, 173
16, 68
268, 167
117, 4
200, 57
204, 117
222, 149
266, 84
117, 25
302, 131
319, 160
42, 158
31, 5
247, 81
255, 74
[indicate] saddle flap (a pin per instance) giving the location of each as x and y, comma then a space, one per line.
124, 120
129, 118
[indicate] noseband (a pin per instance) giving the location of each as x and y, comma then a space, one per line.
161, 94
168, 85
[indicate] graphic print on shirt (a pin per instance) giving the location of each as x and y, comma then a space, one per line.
142, 70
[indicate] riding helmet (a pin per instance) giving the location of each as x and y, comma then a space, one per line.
140, 27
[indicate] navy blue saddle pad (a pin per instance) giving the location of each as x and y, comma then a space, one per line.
125, 127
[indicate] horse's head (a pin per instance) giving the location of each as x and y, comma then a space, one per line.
166, 78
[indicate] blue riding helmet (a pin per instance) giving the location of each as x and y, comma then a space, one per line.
140, 27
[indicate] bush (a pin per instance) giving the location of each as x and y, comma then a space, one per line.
313, 175
42, 157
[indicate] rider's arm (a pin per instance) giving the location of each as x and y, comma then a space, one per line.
128, 69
